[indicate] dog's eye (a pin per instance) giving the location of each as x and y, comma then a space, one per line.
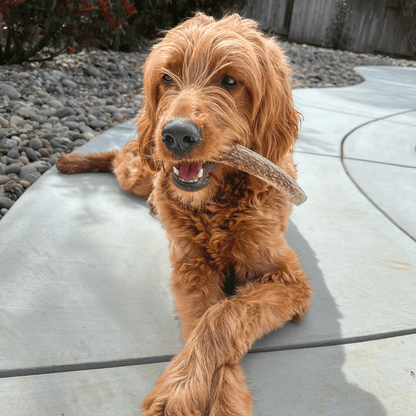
228, 82
167, 79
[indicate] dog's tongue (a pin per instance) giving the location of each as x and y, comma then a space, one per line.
189, 171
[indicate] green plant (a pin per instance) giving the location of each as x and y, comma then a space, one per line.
154, 15
336, 37
32, 25
54, 26
408, 14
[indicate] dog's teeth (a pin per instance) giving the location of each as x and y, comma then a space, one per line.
201, 172
176, 171
191, 181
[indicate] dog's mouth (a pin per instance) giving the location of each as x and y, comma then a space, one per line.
192, 176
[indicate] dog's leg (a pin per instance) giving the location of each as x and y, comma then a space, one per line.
131, 173
194, 295
80, 163
224, 334
196, 288
229, 394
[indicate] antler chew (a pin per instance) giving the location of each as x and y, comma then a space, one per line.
251, 162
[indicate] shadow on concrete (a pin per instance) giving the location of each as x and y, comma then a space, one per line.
319, 385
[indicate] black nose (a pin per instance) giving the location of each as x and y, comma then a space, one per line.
180, 136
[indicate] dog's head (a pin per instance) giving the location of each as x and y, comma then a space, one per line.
209, 85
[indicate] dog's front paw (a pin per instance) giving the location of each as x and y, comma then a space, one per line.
171, 399
157, 404
180, 391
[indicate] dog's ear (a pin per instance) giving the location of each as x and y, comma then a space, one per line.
276, 121
145, 127
146, 121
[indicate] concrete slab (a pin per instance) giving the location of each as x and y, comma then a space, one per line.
363, 379
322, 131
129, 124
405, 118
387, 90
386, 141
399, 78
85, 278
91, 302
106, 392
352, 253
112, 139
89, 279
84, 275
391, 188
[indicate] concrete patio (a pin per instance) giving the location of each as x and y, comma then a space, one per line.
86, 312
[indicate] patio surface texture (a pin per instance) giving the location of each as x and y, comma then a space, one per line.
86, 311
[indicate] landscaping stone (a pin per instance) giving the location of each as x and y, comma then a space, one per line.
35, 143
9, 91
5, 202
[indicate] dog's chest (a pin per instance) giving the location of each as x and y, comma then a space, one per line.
223, 240
216, 236
233, 234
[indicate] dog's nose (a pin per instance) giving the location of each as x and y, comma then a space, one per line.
180, 136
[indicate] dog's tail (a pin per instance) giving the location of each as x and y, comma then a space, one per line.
80, 163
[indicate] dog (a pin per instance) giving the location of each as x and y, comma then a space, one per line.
208, 85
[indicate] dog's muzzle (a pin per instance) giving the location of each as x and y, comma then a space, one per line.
181, 136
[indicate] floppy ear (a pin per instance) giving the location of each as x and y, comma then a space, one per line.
146, 121
145, 127
276, 123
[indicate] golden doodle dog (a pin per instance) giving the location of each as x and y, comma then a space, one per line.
209, 85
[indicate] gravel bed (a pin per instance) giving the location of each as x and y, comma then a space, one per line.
315, 67
51, 108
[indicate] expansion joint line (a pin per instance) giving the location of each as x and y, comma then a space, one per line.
344, 158
102, 365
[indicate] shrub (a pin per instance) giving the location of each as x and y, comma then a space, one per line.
336, 33
31, 25
54, 26
408, 15
154, 15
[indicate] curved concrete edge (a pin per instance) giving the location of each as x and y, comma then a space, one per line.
395, 76
364, 379
390, 188
385, 91
380, 126
352, 254
389, 140
380, 158
330, 114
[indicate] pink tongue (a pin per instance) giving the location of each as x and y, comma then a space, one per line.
189, 171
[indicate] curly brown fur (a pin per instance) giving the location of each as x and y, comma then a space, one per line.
232, 82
